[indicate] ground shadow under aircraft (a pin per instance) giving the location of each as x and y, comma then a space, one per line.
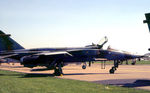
87, 74
41, 69
28, 75
34, 75
19, 74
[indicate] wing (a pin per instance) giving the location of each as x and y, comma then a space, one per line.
54, 53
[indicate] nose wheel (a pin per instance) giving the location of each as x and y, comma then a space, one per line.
111, 71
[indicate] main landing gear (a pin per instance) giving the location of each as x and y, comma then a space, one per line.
58, 70
114, 68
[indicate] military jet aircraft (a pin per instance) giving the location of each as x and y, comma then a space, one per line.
52, 58
56, 58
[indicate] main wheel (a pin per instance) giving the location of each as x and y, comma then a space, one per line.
57, 72
111, 71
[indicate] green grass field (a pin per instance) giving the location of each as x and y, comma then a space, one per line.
14, 82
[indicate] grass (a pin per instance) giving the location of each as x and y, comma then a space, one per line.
142, 62
14, 82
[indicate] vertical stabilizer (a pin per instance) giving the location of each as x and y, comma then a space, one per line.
8, 44
147, 15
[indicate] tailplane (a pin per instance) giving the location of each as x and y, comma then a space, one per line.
7, 43
147, 15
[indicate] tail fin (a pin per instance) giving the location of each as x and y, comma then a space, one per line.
8, 44
147, 15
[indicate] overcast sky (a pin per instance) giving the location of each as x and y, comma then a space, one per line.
65, 23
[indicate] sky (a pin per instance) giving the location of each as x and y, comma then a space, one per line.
72, 23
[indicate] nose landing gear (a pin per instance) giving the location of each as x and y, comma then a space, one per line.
114, 68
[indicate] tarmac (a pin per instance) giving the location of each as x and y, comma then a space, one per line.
134, 76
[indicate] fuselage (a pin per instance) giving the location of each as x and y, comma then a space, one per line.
113, 55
